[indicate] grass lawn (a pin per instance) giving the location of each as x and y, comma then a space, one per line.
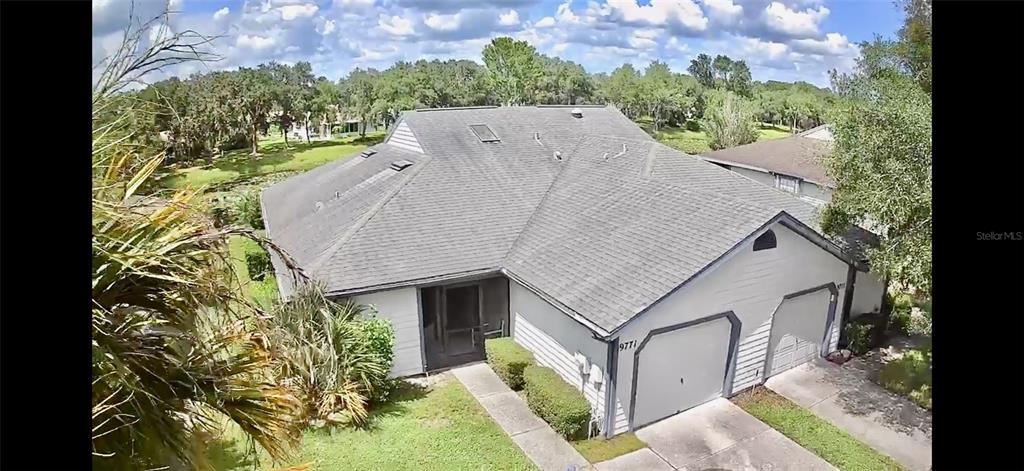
442, 428
910, 375
262, 292
696, 142
274, 158
813, 433
597, 450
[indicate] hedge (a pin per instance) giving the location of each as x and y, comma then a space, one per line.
561, 405
258, 264
508, 359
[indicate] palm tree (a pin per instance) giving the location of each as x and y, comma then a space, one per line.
175, 350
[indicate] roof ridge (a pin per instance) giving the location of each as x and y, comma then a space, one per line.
540, 203
374, 210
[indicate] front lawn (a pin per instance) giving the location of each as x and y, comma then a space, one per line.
598, 449
813, 433
696, 142
442, 428
262, 292
910, 375
238, 165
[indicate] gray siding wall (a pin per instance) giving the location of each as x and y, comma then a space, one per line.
751, 284
760, 177
400, 306
812, 190
554, 338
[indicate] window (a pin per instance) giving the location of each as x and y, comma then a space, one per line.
789, 184
484, 133
765, 241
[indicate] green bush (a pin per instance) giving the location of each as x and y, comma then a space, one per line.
258, 264
247, 210
858, 337
899, 320
560, 404
693, 125
380, 341
910, 375
508, 359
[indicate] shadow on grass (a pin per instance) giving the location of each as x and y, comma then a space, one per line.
397, 403
229, 454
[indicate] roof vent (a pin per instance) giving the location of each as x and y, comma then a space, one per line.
577, 113
367, 153
558, 156
318, 206
400, 165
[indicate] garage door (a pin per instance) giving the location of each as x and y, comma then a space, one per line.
798, 330
681, 368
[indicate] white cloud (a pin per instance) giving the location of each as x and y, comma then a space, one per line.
675, 45
395, 25
545, 22
659, 12
834, 44
254, 42
559, 48
725, 11
780, 18
565, 14
159, 33
328, 28
643, 39
509, 19
767, 50
291, 12
443, 22
219, 14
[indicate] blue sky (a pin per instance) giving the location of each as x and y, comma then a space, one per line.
780, 39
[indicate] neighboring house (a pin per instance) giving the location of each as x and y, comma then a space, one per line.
648, 278
794, 164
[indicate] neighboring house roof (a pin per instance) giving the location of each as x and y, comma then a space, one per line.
605, 229
801, 155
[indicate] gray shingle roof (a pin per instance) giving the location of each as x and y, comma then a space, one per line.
796, 156
607, 230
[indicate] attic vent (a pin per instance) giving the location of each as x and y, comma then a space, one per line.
400, 165
577, 113
367, 153
558, 156
318, 206
484, 133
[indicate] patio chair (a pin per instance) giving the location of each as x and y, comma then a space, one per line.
486, 330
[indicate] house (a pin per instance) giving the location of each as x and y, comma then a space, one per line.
794, 164
652, 280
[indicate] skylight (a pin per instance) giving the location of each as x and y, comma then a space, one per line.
484, 133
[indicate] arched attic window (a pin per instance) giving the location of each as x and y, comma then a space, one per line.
765, 241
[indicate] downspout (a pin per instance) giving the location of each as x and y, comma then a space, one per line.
612, 368
851, 280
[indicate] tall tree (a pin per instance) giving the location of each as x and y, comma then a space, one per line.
702, 69
729, 120
358, 95
256, 99
513, 70
325, 104
621, 89
882, 157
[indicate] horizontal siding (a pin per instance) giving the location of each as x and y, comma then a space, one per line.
404, 138
750, 357
401, 308
548, 352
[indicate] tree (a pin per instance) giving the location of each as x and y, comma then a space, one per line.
739, 81
729, 120
174, 350
325, 104
621, 89
256, 99
284, 93
882, 157
702, 70
563, 82
358, 95
513, 70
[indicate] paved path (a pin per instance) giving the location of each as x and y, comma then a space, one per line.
846, 397
547, 449
715, 436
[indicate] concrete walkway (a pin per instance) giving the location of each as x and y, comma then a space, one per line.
846, 397
715, 436
547, 449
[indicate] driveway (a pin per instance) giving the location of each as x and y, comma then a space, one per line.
715, 436
846, 397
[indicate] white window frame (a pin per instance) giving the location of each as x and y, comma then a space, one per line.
787, 183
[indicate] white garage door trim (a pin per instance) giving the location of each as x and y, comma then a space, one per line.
730, 366
829, 320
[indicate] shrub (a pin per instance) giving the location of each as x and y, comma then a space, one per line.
910, 375
380, 340
220, 215
332, 356
508, 360
864, 333
258, 264
728, 120
247, 209
560, 404
693, 125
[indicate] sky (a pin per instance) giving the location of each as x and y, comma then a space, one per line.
786, 40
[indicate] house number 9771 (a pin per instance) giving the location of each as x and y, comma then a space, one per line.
627, 345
